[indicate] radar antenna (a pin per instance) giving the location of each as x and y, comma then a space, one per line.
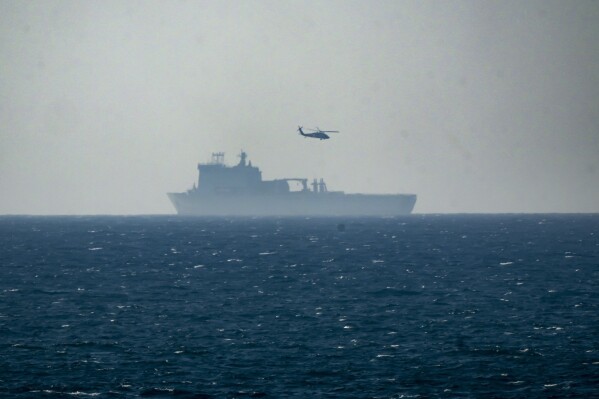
218, 158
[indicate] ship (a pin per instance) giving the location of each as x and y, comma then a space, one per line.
239, 190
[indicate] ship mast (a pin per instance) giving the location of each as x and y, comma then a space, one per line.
242, 156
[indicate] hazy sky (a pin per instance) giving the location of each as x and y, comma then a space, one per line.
476, 106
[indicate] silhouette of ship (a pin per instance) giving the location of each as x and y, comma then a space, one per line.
240, 191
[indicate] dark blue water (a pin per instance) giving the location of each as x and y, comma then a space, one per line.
503, 306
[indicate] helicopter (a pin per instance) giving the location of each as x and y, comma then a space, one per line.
317, 133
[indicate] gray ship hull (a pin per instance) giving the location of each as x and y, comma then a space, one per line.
293, 204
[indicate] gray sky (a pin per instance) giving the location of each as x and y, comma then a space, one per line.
476, 106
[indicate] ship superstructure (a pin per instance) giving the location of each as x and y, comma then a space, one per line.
240, 191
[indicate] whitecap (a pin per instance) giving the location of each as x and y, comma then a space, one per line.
78, 393
95, 249
556, 328
505, 263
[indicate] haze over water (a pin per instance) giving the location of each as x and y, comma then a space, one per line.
476, 106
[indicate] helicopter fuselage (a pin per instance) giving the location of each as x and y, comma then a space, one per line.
316, 135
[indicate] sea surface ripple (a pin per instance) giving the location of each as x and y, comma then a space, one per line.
421, 306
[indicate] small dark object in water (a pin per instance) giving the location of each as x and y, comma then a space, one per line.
341, 227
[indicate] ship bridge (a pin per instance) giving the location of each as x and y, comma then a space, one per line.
215, 176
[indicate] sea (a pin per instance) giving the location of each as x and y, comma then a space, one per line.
420, 306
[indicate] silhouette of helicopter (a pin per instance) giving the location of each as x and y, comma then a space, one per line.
317, 134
